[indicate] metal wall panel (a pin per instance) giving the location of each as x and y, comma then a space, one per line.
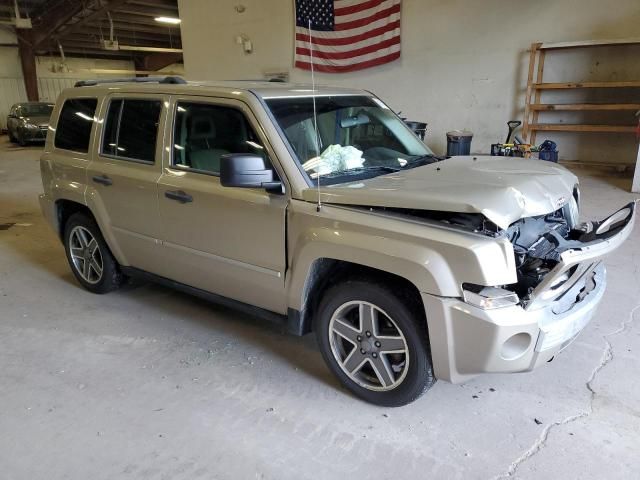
12, 91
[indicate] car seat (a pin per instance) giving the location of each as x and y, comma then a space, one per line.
203, 153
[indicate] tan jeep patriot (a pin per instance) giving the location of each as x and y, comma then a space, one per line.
321, 209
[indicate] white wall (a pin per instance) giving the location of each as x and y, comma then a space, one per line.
463, 65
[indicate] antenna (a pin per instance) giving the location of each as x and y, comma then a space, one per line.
315, 117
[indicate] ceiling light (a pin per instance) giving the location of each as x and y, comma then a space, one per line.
171, 20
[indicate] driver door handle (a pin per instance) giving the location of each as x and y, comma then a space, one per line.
178, 196
103, 180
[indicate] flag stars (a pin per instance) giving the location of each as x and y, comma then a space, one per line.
318, 13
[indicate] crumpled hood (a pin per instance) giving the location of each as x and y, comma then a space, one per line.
503, 189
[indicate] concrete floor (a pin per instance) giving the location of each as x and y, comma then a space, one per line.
147, 383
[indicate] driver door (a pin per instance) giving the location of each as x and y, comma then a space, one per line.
228, 241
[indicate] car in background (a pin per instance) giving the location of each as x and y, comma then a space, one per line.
29, 122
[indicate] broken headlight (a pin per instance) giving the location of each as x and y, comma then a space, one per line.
571, 211
488, 298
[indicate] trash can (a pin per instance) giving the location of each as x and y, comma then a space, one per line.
459, 142
419, 128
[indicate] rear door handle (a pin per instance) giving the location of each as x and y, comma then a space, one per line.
178, 196
103, 179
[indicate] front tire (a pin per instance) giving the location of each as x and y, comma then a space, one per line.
375, 342
89, 256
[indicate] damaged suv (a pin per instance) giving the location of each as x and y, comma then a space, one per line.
320, 209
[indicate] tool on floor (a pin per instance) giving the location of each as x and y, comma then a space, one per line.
512, 124
516, 149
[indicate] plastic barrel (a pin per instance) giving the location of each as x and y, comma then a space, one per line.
459, 142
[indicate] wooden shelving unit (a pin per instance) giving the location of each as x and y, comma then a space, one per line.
551, 107
533, 107
566, 127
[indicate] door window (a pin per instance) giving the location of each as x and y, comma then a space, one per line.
203, 133
74, 124
131, 130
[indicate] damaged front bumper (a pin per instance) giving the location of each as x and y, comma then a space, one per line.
467, 340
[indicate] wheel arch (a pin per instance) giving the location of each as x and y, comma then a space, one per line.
325, 272
64, 209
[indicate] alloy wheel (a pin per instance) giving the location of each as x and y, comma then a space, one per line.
368, 346
86, 255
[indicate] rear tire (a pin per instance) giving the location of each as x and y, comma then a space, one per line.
12, 139
21, 141
375, 342
89, 256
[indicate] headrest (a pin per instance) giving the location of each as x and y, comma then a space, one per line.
202, 127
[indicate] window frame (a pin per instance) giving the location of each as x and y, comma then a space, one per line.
108, 101
58, 115
220, 102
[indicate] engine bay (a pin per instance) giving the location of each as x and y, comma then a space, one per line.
538, 242
537, 245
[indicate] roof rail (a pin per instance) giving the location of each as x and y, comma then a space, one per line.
171, 80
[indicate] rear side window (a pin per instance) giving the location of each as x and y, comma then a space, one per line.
131, 130
74, 124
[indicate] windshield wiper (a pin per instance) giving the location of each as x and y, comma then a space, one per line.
385, 168
357, 170
423, 160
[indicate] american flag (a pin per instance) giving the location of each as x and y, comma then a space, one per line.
346, 35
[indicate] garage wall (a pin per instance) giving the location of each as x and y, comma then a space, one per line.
464, 62
52, 77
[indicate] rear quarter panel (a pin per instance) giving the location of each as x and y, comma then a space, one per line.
64, 173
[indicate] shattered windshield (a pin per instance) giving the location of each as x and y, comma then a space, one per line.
357, 137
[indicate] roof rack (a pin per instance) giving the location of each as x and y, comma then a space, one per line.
170, 80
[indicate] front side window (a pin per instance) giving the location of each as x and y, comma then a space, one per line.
203, 133
73, 131
357, 137
131, 129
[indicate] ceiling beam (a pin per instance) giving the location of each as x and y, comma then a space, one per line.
52, 18
131, 17
88, 52
97, 13
133, 27
59, 19
129, 37
94, 43
168, 4
141, 11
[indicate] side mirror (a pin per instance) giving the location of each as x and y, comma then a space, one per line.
245, 170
